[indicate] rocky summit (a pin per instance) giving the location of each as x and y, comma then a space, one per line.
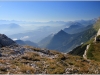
5, 41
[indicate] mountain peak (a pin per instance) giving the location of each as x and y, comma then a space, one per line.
62, 32
14, 25
5, 41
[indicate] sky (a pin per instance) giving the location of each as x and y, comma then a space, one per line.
44, 11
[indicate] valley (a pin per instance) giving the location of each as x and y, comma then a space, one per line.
49, 37
17, 57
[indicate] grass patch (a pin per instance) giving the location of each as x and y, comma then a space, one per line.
32, 56
78, 50
90, 52
26, 69
97, 25
94, 52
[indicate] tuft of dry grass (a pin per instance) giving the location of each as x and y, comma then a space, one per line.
32, 56
54, 52
26, 69
2, 61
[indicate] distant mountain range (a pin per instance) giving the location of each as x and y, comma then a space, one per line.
21, 42
48, 28
65, 42
33, 60
37, 35
83, 22
74, 28
10, 26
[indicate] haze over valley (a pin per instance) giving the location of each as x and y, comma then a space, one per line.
49, 37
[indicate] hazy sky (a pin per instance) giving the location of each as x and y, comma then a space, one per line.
49, 10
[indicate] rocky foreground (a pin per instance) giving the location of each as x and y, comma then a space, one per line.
16, 59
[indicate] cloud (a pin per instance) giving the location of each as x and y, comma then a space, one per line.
15, 39
0, 6
24, 38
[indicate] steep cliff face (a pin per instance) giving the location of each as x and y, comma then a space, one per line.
5, 41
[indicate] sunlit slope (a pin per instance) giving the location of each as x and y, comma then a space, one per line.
96, 26
93, 52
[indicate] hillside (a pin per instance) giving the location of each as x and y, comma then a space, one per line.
97, 25
5, 41
43, 43
68, 42
93, 51
58, 40
78, 50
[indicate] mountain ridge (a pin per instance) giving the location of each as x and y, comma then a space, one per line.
60, 36
17, 59
21, 42
5, 41
71, 41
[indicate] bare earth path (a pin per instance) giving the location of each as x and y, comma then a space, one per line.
84, 55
